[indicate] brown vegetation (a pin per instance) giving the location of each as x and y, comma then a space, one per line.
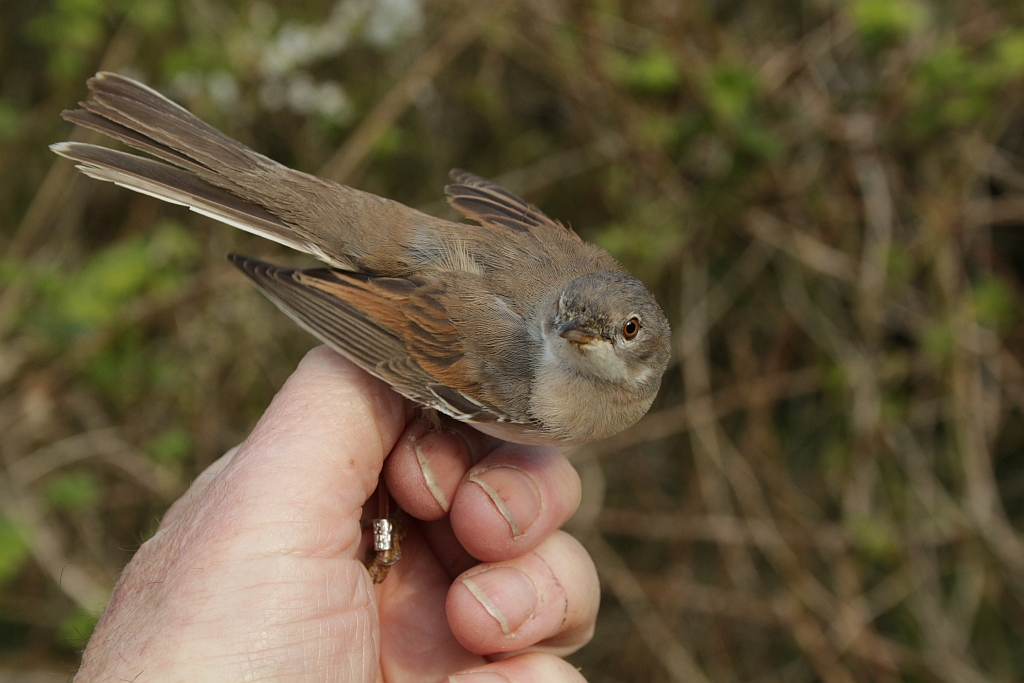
828, 198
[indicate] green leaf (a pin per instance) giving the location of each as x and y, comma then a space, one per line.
170, 446
883, 22
761, 142
938, 341
122, 369
388, 143
170, 244
74, 302
994, 302
152, 15
643, 242
13, 550
10, 120
73, 492
1010, 54
944, 67
111, 277
654, 72
730, 91
71, 29
76, 629
874, 537
660, 129
900, 266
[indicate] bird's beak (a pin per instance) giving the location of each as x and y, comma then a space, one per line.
575, 332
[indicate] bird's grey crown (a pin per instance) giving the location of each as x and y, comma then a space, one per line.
605, 299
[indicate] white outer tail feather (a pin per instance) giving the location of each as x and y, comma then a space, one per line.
164, 193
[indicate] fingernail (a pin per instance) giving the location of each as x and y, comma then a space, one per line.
514, 493
506, 594
428, 444
479, 677
429, 477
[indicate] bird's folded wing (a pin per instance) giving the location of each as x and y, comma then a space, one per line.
394, 328
493, 205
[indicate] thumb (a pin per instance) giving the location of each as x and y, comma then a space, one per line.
298, 483
256, 562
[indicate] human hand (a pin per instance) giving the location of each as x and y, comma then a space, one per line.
256, 572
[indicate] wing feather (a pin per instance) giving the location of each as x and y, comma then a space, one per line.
366, 318
493, 205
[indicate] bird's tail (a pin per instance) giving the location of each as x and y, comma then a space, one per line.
207, 170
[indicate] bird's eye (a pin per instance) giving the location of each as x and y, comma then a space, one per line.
631, 329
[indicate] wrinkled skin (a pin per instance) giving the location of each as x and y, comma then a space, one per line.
256, 572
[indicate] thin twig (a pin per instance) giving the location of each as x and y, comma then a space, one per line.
648, 621
390, 108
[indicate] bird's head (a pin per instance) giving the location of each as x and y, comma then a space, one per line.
608, 326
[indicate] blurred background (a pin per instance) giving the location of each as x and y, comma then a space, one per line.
826, 195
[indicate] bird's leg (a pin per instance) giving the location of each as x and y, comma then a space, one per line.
432, 418
388, 530
389, 525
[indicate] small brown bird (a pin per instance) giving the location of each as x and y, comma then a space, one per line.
514, 325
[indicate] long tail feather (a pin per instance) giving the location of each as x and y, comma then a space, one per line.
342, 226
173, 185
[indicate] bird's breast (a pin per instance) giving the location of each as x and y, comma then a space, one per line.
577, 408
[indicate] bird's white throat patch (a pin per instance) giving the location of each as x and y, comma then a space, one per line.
576, 388
597, 359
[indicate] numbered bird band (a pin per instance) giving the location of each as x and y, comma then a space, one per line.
382, 535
